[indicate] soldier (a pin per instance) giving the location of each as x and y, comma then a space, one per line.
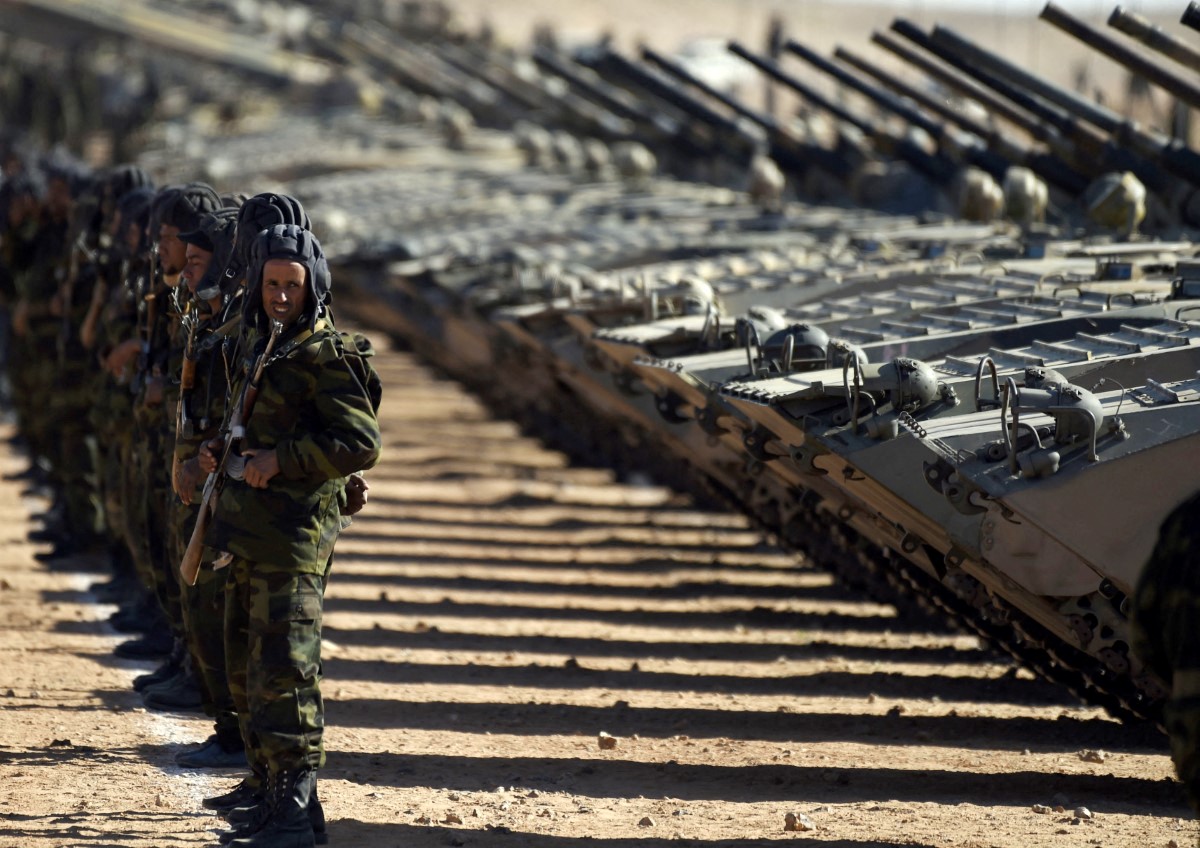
1166, 638
200, 410
313, 425
176, 211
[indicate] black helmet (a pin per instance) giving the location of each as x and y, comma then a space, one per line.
296, 244
134, 208
216, 235
192, 202
257, 214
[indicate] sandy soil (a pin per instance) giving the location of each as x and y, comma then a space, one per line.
495, 611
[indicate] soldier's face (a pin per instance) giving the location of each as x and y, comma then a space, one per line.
284, 292
195, 266
171, 256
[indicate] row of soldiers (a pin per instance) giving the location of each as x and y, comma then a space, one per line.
133, 344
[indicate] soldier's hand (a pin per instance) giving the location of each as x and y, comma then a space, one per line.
120, 356
209, 455
153, 395
20, 317
261, 466
356, 494
190, 475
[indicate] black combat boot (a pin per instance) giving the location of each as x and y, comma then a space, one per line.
243, 820
249, 792
181, 692
168, 669
287, 823
214, 753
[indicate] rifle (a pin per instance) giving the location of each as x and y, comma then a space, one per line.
189, 567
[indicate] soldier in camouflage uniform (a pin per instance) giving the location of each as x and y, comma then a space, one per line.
1166, 634
201, 408
179, 210
313, 425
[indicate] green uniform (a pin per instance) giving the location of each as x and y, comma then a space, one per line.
1166, 635
200, 419
314, 412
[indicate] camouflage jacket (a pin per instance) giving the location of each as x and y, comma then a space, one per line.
312, 411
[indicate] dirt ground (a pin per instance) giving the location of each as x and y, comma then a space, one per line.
495, 612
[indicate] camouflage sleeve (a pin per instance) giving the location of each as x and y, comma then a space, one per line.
348, 440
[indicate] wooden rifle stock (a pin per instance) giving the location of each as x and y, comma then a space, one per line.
189, 566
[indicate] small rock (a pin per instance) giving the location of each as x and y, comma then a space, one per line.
1059, 808
897, 710
1042, 808
424, 819
798, 823
1083, 813
1026, 753
452, 818
5, 585
571, 663
584, 810
454, 796
607, 742
646, 822
10, 693
159, 800
498, 789
544, 813
1090, 756
635, 667
475, 812
533, 793
1172, 844
504, 806
61, 743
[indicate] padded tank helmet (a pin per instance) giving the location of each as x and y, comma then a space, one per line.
295, 244
192, 202
216, 234
257, 214
133, 207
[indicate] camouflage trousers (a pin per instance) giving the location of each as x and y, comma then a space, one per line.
147, 498
273, 662
1166, 636
204, 628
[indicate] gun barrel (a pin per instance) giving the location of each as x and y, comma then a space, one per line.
685, 76
615, 100
1185, 90
1155, 37
663, 88
1000, 152
772, 69
1191, 15
876, 95
1062, 109
958, 81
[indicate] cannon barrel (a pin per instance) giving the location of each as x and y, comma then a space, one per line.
873, 93
789, 151
1097, 39
682, 74
1000, 152
614, 99
935, 166
1063, 110
1130, 147
1191, 15
667, 90
1155, 37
